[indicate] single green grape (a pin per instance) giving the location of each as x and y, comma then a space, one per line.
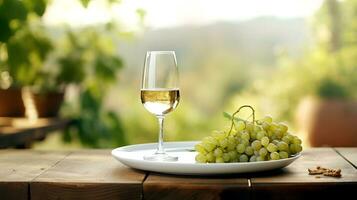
282, 146
286, 139
263, 152
298, 148
260, 158
199, 148
283, 154
220, 136
233, 155
253, 135
210, 140
249, 127
244, 141
240, 148
253, 158
201, 158
267, 119
231, 139
265, 141
223, 143
283, 127
249, 150
292, 148
208, 146
240, 125
278, 134
290, 138
273, 127
272, 147
245, 135
275, 141
243, 158
226, 157
218, 152
257, 128
219, 160
210, 157
260, 135
266, 126
231, 146
274, 156
296, 140
256, 144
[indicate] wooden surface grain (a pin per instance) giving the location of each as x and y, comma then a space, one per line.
88, 174
18, 168
293, 182
94, 174
161, 186
21, 133
349, 154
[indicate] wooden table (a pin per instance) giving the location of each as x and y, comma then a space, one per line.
94, 174
21, 132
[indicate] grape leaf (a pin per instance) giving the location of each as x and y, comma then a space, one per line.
229, 116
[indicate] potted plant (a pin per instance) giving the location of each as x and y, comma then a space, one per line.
329, 114
84, 59
16, 43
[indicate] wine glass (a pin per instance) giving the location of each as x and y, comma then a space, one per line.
160, 93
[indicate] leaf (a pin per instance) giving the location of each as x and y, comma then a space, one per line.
229, 116
85, 3
5, 32
12, 9
36, 6
141, 13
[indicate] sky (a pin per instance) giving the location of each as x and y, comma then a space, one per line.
171, 13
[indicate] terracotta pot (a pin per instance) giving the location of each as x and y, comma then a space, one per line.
11, 104
48, 104
329, 122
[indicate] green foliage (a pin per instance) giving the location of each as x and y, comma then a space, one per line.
327, 71
13, 13
91, 63
84, 58
36, 6
27, 51
85, 3
329, 89
10, 11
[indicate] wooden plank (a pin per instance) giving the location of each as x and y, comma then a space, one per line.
89, 174
293, 182
160, 186
20, 132
350, 154
18, 168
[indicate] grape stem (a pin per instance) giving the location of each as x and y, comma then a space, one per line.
236, 112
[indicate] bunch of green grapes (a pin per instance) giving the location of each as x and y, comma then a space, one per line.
249, 142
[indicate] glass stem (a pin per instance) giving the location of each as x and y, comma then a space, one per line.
160, 146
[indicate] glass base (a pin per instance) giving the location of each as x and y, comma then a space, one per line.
161, 157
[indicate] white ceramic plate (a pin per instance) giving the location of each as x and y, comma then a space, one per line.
132, 156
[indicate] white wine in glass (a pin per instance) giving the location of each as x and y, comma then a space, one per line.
160, 93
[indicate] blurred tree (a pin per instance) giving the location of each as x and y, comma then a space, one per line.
91, 62
328, 70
